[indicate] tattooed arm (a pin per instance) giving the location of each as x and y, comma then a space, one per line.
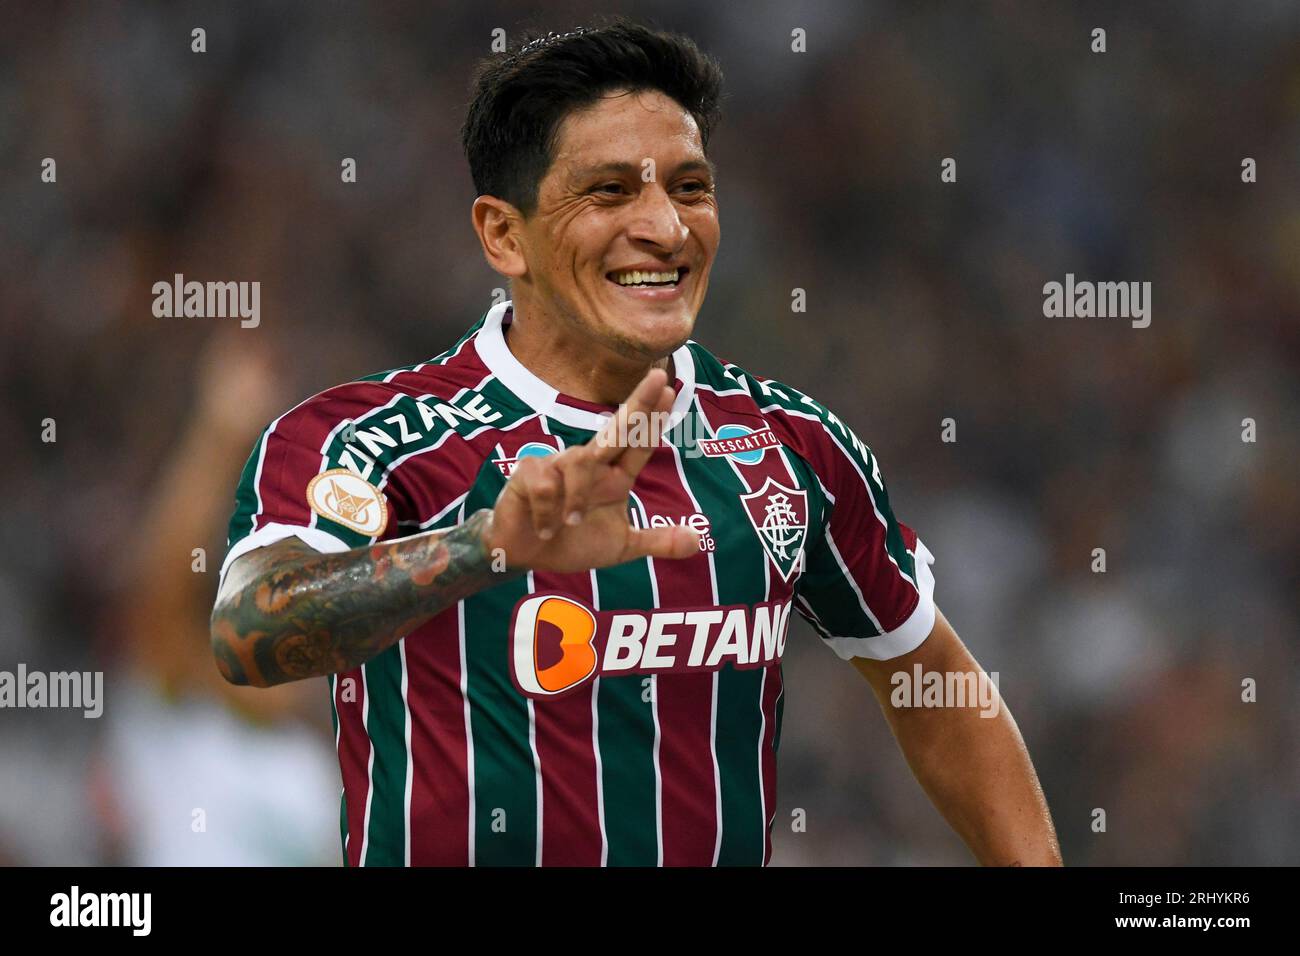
287, 611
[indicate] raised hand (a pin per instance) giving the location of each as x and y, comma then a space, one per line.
568, 512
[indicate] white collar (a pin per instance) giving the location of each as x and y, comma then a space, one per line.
501, 362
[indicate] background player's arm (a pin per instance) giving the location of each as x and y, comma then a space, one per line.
287, 612
163, 615
975, 769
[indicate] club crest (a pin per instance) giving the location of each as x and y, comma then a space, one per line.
780, 519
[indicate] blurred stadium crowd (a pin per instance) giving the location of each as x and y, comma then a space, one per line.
924, 303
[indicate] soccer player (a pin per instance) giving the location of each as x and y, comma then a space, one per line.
549, 572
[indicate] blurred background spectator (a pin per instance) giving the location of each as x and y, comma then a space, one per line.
924, 303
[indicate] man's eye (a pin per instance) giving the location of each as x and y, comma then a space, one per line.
610, 188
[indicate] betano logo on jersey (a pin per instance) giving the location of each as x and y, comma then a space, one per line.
558, 643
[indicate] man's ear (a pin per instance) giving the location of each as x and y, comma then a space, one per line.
498, 225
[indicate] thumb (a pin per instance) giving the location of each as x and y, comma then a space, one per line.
674, 542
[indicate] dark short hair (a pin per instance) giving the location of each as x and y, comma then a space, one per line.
521, 96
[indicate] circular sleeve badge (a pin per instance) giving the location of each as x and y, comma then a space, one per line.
353, 502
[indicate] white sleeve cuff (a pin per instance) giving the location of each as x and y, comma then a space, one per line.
909, 635
316, 538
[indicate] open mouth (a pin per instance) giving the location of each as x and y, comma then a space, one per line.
642, 279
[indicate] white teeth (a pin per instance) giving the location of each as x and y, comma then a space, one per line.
636, 277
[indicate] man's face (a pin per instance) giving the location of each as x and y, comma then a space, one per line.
629, 190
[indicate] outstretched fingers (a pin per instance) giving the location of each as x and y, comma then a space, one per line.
541, 485
630, 437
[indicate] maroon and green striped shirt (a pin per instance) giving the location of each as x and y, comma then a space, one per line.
625, 716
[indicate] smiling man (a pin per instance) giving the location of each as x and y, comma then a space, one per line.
550, 572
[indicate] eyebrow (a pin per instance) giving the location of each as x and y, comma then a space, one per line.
625, 168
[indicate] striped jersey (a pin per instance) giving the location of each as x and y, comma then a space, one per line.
624, 716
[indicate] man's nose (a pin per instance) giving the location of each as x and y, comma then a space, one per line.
656, 220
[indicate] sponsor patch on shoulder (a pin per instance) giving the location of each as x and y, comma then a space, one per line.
353, 502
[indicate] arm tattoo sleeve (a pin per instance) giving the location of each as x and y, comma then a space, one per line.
287, 612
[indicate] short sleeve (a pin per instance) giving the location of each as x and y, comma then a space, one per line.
297, 483
867, 587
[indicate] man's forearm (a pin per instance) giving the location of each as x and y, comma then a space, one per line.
975, 769
978, 774
289, 612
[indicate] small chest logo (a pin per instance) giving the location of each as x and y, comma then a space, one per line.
353, 502
533, 449
780, 518
739, 444
696, 520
